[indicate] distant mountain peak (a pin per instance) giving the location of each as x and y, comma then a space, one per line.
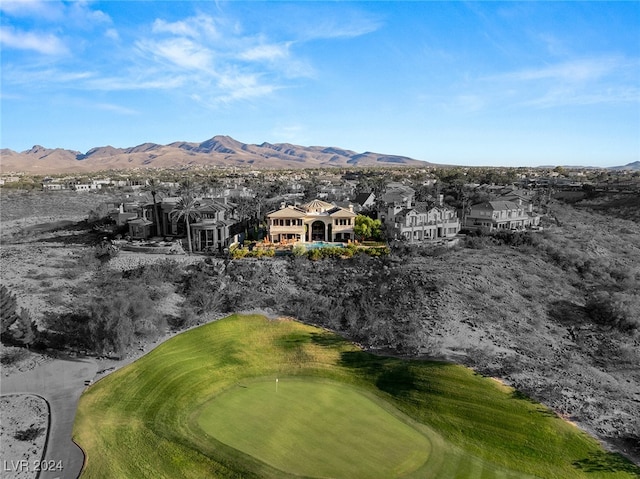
220, 150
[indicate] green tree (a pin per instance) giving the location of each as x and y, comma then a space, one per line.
366, 227
186, 208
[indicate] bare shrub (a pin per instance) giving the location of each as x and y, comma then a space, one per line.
616, 310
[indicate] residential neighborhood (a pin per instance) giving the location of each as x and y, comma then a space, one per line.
417, 206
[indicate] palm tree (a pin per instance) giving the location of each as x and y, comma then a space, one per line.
186, 208
187, 187
154, 187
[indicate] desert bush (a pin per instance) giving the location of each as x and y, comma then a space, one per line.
17, 327
200, 291
616, 310
476, 242
299, 250
29, 434
261, 253
377, 251
10, 355
155, 274
238, 253
8, 309
314, 254
107, 317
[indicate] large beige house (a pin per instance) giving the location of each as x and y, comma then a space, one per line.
313, 221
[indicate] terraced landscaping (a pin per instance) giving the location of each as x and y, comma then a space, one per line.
204, 404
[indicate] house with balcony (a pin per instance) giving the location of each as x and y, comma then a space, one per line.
423, 222
212, 229
314, 221
501, 214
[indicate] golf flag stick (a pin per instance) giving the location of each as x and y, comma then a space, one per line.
276, 384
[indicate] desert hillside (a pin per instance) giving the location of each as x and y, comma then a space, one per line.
521, 310
217, 151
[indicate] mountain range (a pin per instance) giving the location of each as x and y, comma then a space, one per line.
629, 166
217, 151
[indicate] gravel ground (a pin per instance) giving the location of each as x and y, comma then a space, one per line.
23, 434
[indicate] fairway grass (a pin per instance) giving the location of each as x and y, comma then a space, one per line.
204, 405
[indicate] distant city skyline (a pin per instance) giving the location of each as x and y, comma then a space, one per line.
465, 83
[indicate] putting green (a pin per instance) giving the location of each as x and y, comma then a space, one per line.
303, 424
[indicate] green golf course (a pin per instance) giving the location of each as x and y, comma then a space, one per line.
207, 404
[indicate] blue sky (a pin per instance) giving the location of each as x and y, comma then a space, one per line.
469, 83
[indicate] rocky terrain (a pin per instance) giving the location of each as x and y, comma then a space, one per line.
517, 312
217, 151
23, 433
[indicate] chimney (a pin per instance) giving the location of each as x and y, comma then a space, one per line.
350, 207
407, 202
121, 208
530, 207
440, 200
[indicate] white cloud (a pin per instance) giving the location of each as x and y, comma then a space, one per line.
571, 71
182, 52
78, 12
50, 10
235, 86
112, 33
193, 27
333, 28
295, 133
566, 97
44, 43
116, 109
266, 52
175, 28
212, 60
132, 83
576, 82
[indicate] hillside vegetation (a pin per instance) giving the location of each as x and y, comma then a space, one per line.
553, 313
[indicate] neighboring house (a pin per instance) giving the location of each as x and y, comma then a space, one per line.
501, 215
124, 212
85, 187
397, 194
53, 186
423, 222
364, 200
313, 221
212, 230
140, 228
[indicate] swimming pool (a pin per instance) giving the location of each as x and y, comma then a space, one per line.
323, 244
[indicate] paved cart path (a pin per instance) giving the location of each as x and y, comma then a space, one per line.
60, 382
